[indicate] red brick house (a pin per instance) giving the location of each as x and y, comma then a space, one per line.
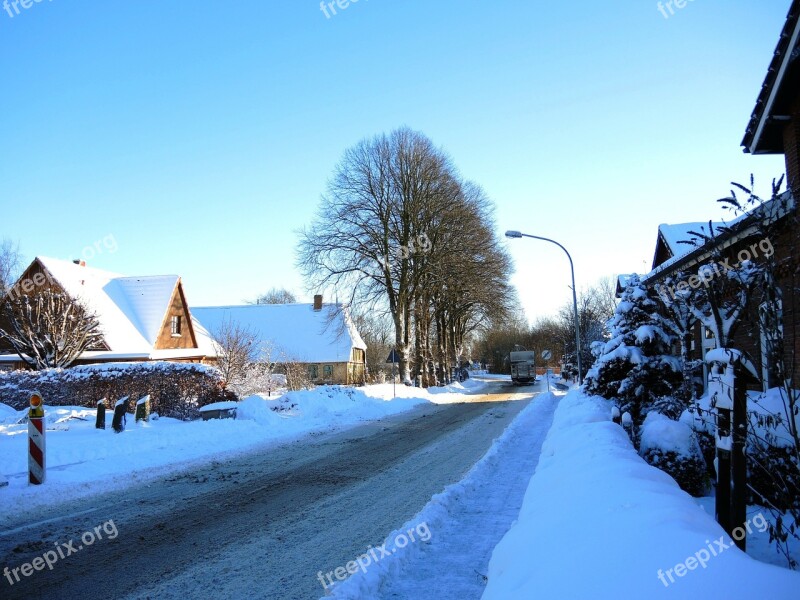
774, 128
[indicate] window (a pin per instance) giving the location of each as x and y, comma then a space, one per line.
313, 371
327, 371
175, 325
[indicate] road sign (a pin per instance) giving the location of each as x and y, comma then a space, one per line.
546, 355
394, 357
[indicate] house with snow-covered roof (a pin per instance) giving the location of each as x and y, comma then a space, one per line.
773, 128
320, 338
143, 318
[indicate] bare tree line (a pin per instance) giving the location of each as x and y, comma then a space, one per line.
596, 305
399, 230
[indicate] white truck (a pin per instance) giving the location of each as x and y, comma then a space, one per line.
523, 367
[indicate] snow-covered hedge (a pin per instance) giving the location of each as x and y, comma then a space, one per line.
673, 447
175, 389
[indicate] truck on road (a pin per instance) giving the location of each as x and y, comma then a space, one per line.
523, 368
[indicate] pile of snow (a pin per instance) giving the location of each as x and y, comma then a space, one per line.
662, 433
595, 505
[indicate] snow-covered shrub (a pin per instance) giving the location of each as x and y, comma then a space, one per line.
772, 466
634, 367
672, 447
175, 389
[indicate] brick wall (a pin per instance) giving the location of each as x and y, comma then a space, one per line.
791, 144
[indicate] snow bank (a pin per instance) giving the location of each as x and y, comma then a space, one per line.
599, 522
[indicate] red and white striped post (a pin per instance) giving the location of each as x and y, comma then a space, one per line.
36, 446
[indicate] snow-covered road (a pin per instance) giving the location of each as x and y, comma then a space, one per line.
262, 525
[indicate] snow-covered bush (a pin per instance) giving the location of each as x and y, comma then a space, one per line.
672, 447
634, 367
175, 389
772, 467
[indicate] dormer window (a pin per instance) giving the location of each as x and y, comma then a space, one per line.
176, 326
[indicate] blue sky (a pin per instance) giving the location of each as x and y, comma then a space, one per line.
200, 135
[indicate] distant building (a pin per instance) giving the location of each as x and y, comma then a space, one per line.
321, 338
142, 318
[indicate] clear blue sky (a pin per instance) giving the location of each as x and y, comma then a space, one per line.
200, 134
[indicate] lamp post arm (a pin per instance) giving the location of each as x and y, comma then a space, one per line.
574, 300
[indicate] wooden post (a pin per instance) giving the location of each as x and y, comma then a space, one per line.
731, 371
120, 408
143, 409
100, 422
739, 493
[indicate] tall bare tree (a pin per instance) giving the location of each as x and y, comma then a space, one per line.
49, 329
369, 219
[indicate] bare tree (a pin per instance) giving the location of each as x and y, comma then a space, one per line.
376, 330
10, 262
237, 348
369, 219
49, 329
276, 296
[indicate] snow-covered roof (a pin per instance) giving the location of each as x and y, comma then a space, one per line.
294, 331
131, 310
674, 235
669, 250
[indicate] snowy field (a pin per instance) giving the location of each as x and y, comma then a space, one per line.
599, 522
82, 460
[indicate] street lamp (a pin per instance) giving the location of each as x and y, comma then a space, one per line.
518, 234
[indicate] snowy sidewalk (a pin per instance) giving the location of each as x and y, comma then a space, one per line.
466, 521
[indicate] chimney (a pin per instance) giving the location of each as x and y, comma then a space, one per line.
318, 302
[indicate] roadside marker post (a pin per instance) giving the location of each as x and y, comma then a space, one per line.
120, 408
393, 358
36, 441
100, 421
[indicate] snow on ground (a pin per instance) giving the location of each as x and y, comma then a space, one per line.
599, 522
461, 525
82, 460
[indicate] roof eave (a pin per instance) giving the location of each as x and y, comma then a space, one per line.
761, 117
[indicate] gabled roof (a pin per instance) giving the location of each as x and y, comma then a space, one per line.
295, 331
671, 240
131, 310
764, 133
725, 234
